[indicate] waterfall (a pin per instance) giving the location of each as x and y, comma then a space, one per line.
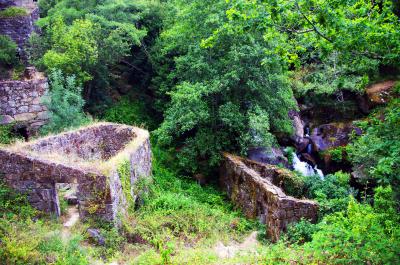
305, 168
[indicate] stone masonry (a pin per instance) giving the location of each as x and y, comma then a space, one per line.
20, 101
252, 187
90, 157
19, 28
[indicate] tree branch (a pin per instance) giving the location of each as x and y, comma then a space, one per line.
312, 24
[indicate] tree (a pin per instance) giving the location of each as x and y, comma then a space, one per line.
329, 45
74, 49
223, 97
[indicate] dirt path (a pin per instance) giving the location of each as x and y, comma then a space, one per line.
248, 245
71, 218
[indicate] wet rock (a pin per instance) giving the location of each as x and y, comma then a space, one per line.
272, 156
301, 144
332, 135
380, 93
309, 159
298, 124
363, 105
96, 237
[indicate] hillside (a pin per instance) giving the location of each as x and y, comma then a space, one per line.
199, 132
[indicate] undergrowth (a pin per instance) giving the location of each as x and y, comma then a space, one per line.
178, 214
13, 11
26, 239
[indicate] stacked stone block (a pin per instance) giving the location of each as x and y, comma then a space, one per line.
250, 185
35, 168
21, 101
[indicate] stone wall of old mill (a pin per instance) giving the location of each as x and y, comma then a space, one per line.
21, 101
250, 185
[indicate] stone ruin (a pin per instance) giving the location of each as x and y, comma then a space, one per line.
92, 157
253, 187
20, 101
19, 28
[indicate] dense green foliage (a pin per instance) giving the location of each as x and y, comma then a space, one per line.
64, 103
208, 76
94, 41
178, 212
223, 97
327, 43
5, 134
332, 193
377, 152
129, 111
8, 51
360, 235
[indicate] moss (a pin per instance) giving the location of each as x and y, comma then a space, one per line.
124, 173
13, 12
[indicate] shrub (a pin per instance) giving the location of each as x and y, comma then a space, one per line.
65, 104
8, 51
332, 193
178, 209
13, 11
13, 204
377, 150
360, 235
301, 232
6, 136
129, 111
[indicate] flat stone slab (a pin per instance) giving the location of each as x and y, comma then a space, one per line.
105, 160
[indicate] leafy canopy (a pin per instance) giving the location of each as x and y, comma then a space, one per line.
329, 45
223, 97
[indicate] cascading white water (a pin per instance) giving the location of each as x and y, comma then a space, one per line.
305, 168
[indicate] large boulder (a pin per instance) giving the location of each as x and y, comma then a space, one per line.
298, 125
332, 135
272, 156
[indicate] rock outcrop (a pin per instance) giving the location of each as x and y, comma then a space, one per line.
105, 160
272, 156
253, 187
332, 135
380, 93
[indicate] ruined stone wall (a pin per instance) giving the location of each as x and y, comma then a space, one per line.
19, 29
37, 177
96, 143
28, 168
254, 192
20, 101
